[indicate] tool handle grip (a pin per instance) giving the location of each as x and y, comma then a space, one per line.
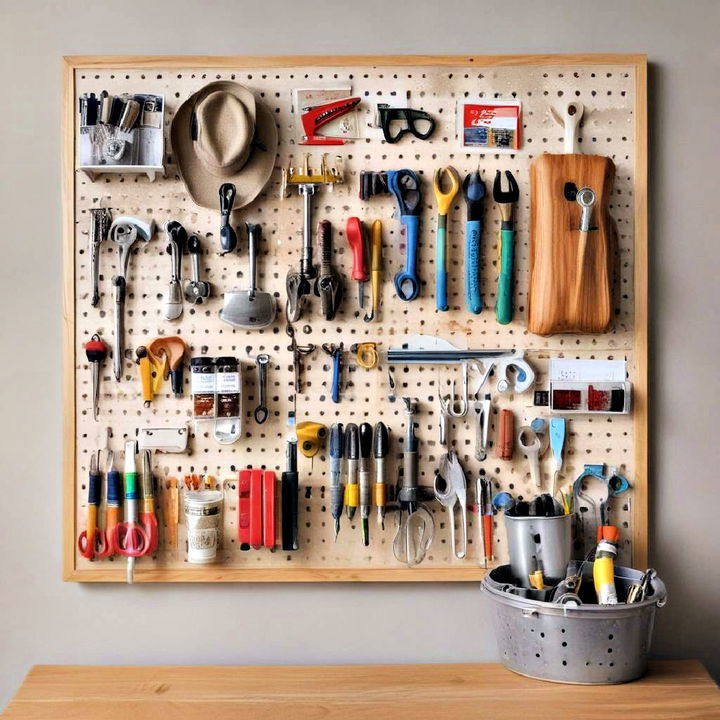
290, 488
149, 523
487, 521
473, 233
268, 509
407, 284
336, 500
352, 495
354, 232
504, 307
379, 494
114, 489
335, 392
441, 301
376, 246
176, 380
131, 486
146, 380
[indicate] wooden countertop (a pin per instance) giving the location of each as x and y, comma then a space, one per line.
671, 689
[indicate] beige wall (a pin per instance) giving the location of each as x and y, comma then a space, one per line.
43, 620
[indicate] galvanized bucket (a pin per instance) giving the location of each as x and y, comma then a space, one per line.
586, 644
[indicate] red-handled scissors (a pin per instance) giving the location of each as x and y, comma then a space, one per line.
92, 540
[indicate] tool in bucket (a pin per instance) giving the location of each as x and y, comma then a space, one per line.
474, 192
430, 350
298, 283
505, 200
336, 353
251, 308
416, 526
444, 199
375, 270
451, 491
328, 285
124, 232
100, 220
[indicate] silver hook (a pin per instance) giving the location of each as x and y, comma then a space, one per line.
449, 403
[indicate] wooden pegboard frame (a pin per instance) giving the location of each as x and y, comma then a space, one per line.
430, 78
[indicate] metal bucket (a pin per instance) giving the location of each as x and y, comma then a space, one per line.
539, 543
586, 645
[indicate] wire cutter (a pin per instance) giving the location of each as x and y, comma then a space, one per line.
444, 203
451, 490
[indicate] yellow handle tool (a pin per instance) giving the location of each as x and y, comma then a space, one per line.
375, 269
143, 361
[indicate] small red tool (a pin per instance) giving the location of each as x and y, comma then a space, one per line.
256, 509
506, 435
356, 239
96, 352
313, 118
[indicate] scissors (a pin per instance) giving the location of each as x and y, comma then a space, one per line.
444, 202
450, 490
129, 538
405, 186
92, 540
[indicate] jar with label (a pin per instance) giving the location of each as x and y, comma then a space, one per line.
228, 390
202, 387
228, 387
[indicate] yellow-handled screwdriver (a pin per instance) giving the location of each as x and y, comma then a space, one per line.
375, 269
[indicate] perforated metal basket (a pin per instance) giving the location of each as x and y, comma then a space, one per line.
587, 644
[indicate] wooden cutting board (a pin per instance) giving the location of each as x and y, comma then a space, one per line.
570, 289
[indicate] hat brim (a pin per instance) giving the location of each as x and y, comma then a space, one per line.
202, 185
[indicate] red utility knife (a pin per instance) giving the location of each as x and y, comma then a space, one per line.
256, 509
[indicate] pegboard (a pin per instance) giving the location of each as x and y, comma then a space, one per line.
612, 89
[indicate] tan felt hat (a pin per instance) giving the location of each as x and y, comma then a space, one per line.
221, 134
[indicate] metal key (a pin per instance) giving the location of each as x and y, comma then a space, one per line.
261, 412
196, 290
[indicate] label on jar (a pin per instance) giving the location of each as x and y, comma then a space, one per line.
228, 382
202, 382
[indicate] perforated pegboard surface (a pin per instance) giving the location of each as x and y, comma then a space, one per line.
609, 97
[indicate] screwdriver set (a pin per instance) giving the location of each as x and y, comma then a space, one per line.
308, 358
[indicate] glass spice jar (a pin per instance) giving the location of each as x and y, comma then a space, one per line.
202, 387
228, 387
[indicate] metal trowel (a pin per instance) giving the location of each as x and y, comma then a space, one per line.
249, 308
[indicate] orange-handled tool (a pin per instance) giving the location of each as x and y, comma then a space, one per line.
148, 518
113, 500
375, 269
145, 365
356, 239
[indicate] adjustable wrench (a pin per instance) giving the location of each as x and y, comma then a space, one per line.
100, 219
177, 238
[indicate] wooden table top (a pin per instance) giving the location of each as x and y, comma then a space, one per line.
671, 689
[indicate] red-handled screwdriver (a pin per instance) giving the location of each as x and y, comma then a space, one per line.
96, 352
356, 239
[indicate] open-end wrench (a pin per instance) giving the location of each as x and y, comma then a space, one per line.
100, 219
405, 185
196, 290
261, 412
